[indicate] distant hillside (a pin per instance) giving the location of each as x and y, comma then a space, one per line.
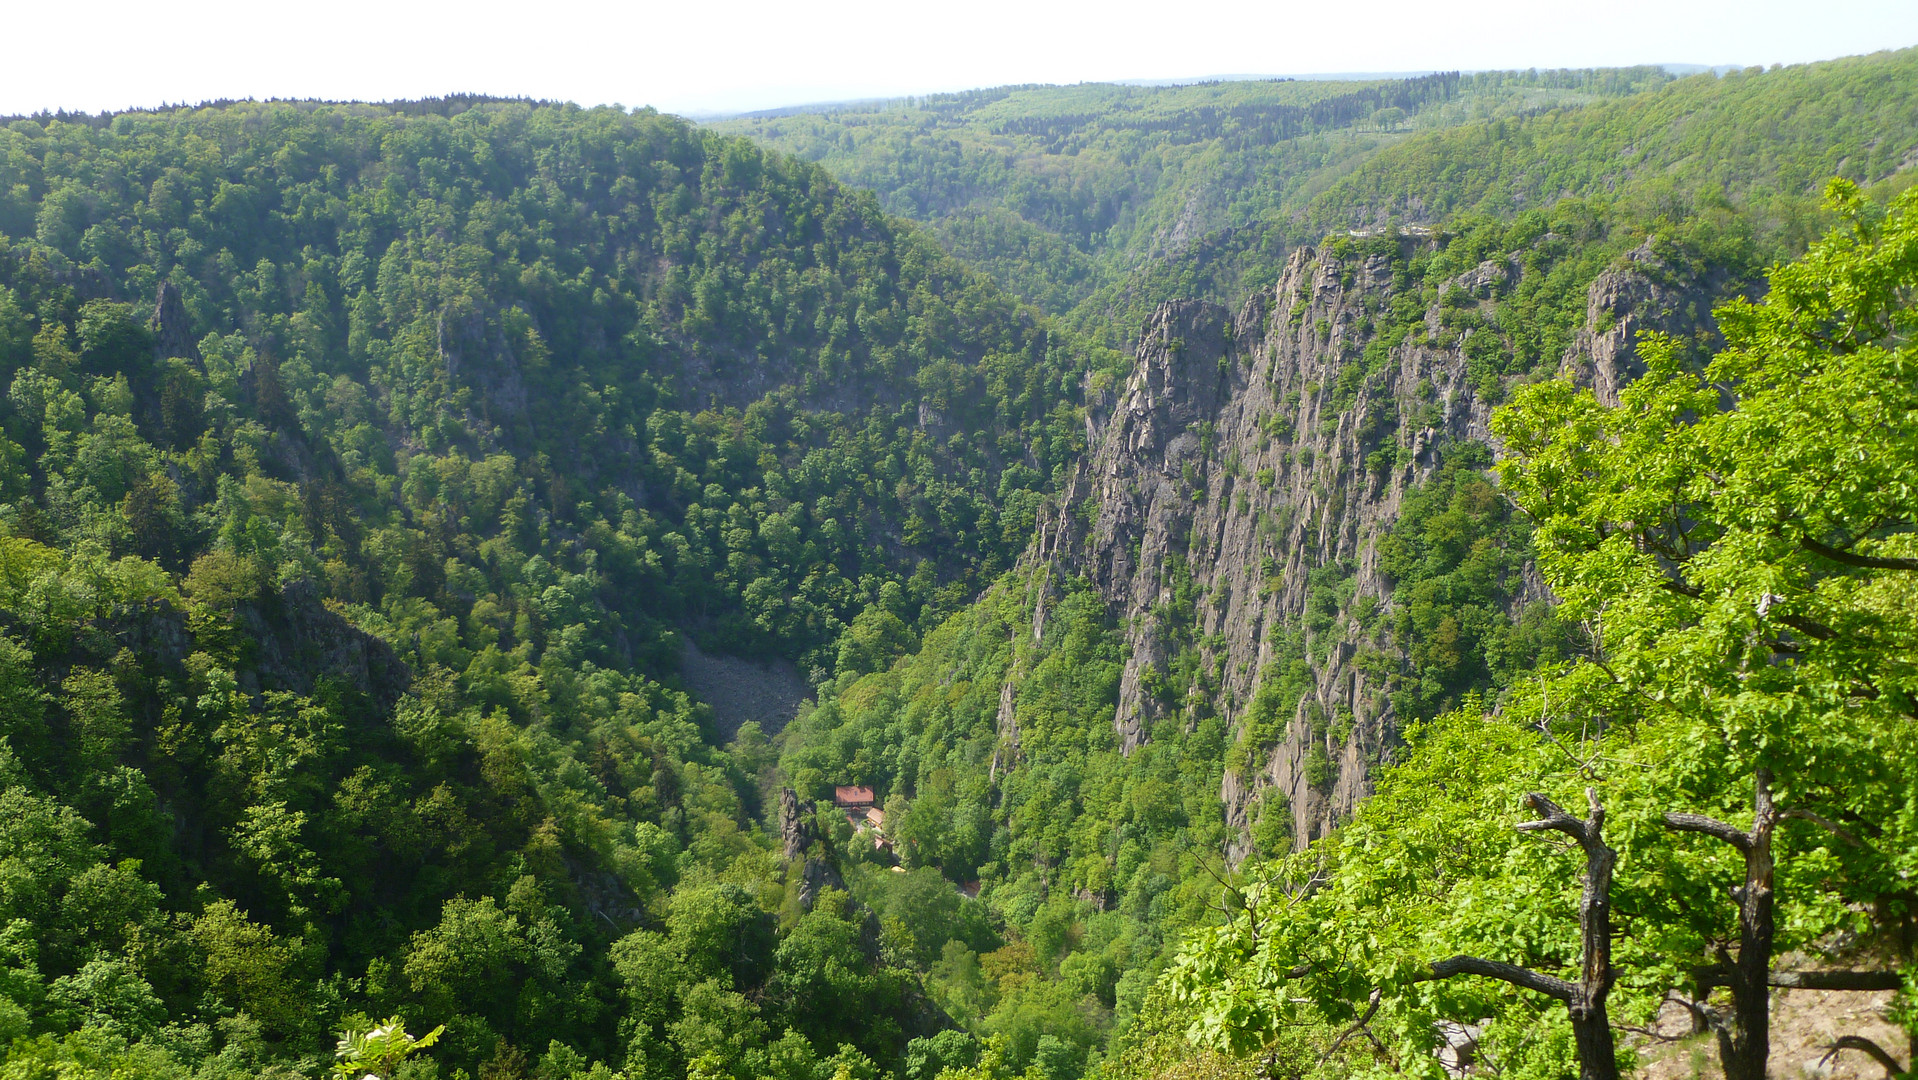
1072, 195
1760, 140
1098, 202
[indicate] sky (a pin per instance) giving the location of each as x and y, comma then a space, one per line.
707, 58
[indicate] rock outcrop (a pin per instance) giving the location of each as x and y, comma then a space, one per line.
297, 640
1643, 293
172, 329
796, 831
293, 643
812, 866
1249, 450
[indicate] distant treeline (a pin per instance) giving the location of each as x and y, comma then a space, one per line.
1608, 82
448, 105
1255, 123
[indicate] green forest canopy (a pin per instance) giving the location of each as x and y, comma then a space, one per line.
342, 594
526, 393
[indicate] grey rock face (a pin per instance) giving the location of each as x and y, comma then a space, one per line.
1245, 452
767, 692
294, 642
795, 823
1625, 301
475, 349
172, 330
296, 638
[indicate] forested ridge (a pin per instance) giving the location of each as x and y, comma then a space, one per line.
363, 470
366, 469
1097, 202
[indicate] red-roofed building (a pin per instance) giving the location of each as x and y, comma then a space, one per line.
871, 820
847, 796
862, 813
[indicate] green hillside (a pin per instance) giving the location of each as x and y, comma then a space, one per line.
1097, 202
1103, 863
1727, 754
1761, 142
343, 590
1102, 200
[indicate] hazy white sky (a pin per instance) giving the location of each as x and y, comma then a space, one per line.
696, 57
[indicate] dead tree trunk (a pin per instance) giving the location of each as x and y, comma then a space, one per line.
1744, 1038
1585, 999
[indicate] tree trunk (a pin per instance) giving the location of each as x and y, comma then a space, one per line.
1591, 1025
1748, 1049
1744, 1038
1585, 999
1592, 1036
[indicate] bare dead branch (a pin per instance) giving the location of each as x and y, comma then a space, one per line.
1744, 1035
1836, 980
1859, 1042
1358, 1025
1549, 985
1699, 823
1828, 979
1555, 818
1808, 627
1585, 999
1850, 558
1705, 1017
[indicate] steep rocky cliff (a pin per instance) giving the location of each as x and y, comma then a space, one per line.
1645, 292
1237, 488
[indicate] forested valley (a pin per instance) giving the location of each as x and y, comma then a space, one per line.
1287, 579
